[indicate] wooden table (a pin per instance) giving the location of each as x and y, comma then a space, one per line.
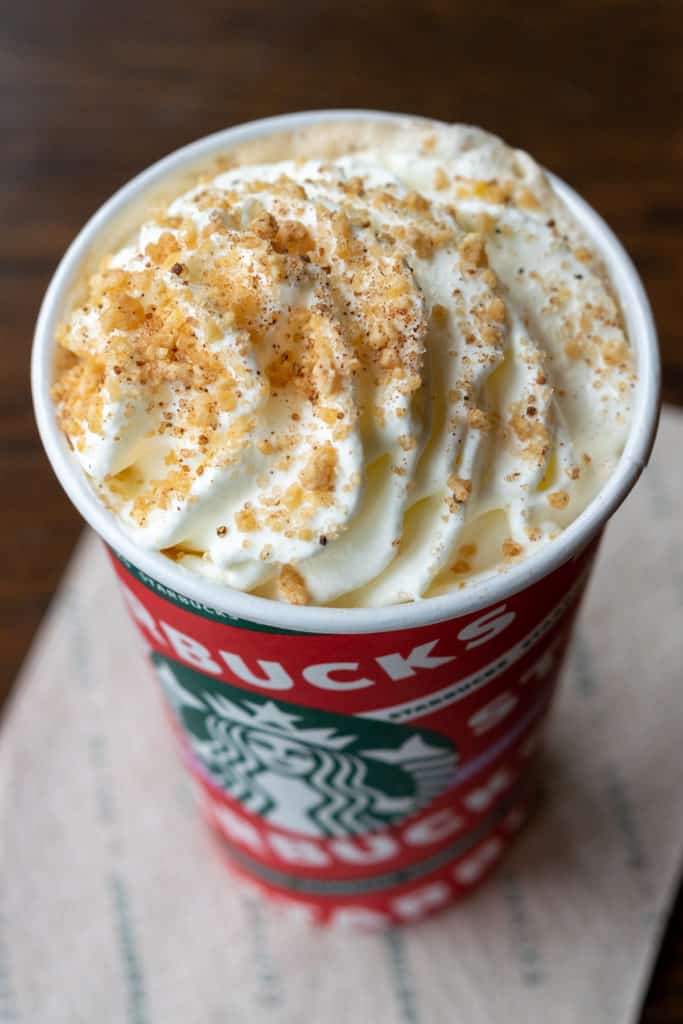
91, 93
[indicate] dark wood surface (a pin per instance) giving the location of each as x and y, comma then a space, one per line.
90, 93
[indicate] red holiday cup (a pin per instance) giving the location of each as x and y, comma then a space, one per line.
362, 766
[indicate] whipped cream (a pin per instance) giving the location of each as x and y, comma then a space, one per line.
356, 381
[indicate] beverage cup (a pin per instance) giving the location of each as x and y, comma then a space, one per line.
360, 766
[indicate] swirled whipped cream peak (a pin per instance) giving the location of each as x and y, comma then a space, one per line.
353, 369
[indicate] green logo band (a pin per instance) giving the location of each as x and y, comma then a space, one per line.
312, 772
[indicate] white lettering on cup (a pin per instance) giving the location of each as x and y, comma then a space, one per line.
398, 667
433, 827
298, 851
236, 828
469, 871
486, 627
493, 713
419, 902
274, 676
320, 675
480, 799
191, 650
374, 849
141, 615
544, 665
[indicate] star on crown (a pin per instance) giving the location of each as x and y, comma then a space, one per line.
270, 718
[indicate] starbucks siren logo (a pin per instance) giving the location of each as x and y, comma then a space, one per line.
312, 772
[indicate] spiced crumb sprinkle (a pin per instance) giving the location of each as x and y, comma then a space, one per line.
460, 489
291, 586
558, 499
511, 548
473, 252
460, 566
478, 419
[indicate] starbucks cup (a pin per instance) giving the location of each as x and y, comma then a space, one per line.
363, 766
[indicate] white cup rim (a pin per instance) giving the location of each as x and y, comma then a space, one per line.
315, 619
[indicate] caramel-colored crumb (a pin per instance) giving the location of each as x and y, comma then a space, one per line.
461, 566
246, 520
320, 471
473, 252
292, 587
558, 499
526, 199
511, 549
530, 429
480, 420
460, 489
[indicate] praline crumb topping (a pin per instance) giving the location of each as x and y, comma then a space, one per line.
321, 380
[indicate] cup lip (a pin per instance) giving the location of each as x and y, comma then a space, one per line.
322, 619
